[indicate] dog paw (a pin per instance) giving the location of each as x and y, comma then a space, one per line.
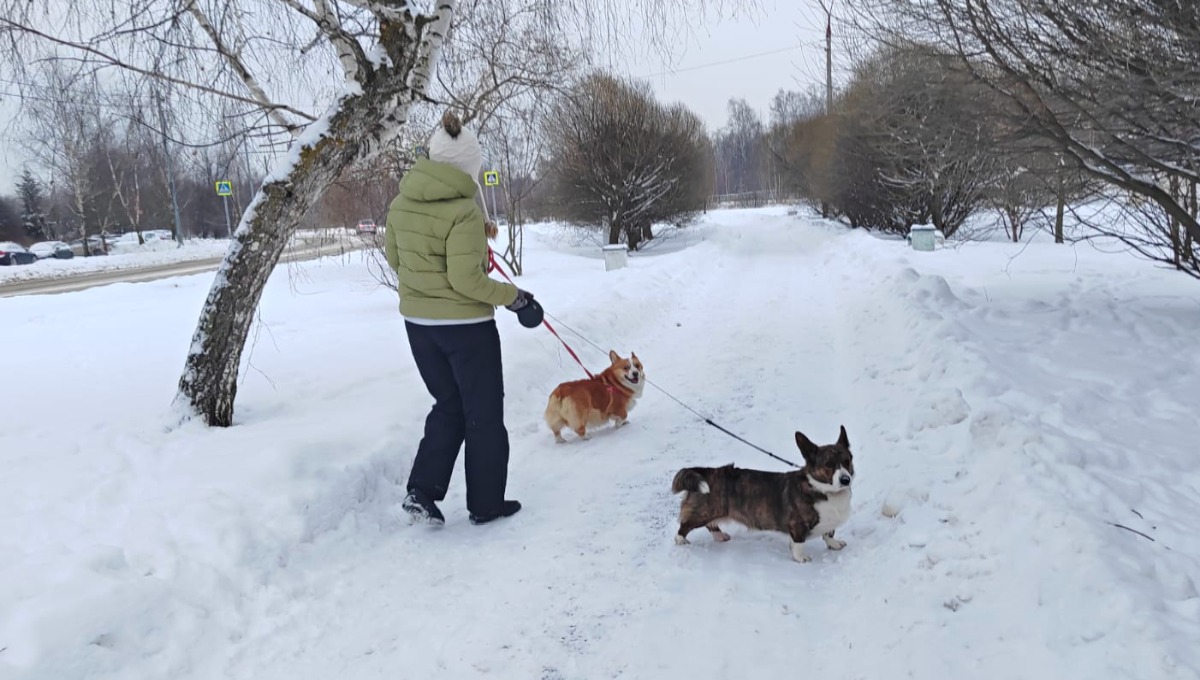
799, 555
680, 539
721, 536
559, 440
835, 544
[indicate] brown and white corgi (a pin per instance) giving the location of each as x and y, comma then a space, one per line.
595, 401
811, 501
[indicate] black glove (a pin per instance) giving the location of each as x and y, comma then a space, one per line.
523, 298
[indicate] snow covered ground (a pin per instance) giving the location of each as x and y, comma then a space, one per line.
1007, 405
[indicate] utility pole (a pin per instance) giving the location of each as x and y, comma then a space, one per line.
828, 79
162, 121
829, 59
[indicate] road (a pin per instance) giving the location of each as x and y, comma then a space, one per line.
142, 274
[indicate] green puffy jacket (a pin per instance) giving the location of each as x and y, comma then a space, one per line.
437, 246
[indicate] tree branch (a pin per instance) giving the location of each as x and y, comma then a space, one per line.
350, 53
235, 62
111, 60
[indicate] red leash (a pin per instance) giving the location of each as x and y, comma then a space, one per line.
493, 265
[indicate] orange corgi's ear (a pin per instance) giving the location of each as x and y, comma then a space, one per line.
613, 356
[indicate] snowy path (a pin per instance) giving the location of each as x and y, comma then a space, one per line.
588, 582
275, 549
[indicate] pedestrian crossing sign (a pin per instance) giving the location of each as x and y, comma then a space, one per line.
224, 188
491, 178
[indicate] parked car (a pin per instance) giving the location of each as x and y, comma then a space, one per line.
52, 249
95, 246
366, 227
15, 253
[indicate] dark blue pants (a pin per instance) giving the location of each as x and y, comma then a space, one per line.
462, 369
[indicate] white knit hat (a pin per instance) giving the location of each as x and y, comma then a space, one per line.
455, 145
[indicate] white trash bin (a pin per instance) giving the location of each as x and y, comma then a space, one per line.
615, 257
922, 236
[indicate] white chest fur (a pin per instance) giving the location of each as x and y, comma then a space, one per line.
833, 512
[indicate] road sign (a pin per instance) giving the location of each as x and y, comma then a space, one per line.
491, 178
224, 187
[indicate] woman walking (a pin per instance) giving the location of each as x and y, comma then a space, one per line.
437, 245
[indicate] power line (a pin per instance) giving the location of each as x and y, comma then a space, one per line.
723, 62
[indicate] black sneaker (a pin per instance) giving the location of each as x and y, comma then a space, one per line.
421, 508
509, 509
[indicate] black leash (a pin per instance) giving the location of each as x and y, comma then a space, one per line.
706, 419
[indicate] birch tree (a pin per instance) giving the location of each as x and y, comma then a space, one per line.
130, 166
269, 55
62, 124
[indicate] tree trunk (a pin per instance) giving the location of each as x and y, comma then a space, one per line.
633, 235
208, 386
1188, 240
647, 232
1059, 211
516, 221
81, 212
209, 381
614, 232
935, 213
1175, 233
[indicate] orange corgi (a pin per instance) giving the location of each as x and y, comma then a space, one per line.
595, 401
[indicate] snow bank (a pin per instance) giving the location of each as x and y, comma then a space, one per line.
124, 257
1000, 419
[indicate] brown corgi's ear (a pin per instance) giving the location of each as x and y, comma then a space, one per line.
807, 448
613, 356
843, 440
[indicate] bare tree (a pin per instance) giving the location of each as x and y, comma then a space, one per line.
923, 115
622, 161
62, 127
739, 148
517, 146
131, 167
1111, 86
1016, 195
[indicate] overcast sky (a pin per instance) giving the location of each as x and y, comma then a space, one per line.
777, 44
